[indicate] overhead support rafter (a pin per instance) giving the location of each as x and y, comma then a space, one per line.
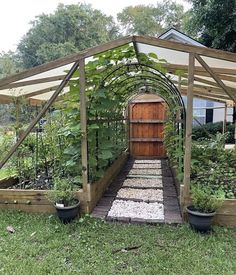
33, 82
215, 77
176, 46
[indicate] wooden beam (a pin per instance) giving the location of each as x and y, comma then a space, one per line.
200, 92
6, 98
41, 113
40, 92
66, 60
33, 82
208, 92
136, 51
176, 46
205, 81
182, 67
189, 121
83, 125
203, 96
204, 73
215, 77
116, 43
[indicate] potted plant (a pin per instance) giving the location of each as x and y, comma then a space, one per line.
205, 202
64, 198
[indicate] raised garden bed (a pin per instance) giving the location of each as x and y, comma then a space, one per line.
36, 201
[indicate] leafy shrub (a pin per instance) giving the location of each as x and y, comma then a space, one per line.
63, 192
205, 199
200, 132
212, 165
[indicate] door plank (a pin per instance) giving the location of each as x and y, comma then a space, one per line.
146, 128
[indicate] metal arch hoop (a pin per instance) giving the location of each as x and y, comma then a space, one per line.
158, 76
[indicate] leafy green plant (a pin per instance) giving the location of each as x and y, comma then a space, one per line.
63, 192
173, 142
205, 199
212, 165
200, 132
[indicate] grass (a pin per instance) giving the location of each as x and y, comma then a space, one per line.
42, 245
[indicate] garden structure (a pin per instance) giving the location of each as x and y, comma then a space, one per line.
88, 101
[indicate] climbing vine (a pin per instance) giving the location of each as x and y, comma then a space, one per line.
111, 78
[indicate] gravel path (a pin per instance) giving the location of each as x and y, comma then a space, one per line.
141, 210
141, 182
140, 194
145, 172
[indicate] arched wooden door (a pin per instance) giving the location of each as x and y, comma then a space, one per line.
146, 126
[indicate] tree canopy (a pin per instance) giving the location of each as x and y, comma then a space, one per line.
69, 29
151, 20
72, 28
9, 64
213, 22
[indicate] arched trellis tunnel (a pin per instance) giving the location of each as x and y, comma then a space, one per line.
206, 70
131, 80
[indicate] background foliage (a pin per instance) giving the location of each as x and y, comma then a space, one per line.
211, 129
214, 23
72, 28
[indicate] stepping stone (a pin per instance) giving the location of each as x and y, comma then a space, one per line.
145, 176
143, 183
145, 172
140, 194
140, 210
147, 165
147, 161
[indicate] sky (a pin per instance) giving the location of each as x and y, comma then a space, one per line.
15, 16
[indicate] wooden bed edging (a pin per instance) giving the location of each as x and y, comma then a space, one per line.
225, 216
35, 201
97, 189
5, 183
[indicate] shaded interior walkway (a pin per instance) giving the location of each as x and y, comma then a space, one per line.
143, 192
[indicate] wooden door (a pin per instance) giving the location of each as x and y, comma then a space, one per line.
146, 128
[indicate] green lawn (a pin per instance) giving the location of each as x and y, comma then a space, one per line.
42, 245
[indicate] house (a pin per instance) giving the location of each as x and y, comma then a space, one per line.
205, 111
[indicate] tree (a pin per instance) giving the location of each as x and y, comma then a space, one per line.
213, 22
68, 30
8, 64
151, 20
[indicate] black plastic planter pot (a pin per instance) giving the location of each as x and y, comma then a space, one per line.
68, 213
201, 222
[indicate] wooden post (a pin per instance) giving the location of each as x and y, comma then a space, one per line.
234, 122
225, 119
179, 83
189, 121
83, 125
